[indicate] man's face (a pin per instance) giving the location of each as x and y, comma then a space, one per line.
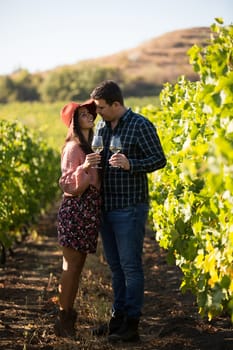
106, 111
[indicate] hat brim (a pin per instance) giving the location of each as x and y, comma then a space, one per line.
69, 109
91, 106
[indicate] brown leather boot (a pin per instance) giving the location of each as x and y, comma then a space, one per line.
73, 316
64, 324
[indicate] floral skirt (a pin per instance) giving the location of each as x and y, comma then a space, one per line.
79, 221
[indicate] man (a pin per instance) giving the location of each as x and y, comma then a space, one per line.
125, 198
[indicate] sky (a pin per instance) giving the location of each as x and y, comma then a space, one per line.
39, 35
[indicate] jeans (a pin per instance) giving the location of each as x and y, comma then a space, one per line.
122, 235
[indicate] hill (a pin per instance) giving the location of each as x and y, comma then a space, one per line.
158, 60
141, 71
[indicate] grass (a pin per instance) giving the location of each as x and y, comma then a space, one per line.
45, 117
42, 117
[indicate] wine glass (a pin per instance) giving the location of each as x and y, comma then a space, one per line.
100, 125
115, 146
97, 145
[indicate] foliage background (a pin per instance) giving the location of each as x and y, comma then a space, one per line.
191, 199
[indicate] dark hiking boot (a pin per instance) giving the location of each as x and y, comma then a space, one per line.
64, 324
114, 324
128, 332
116, 321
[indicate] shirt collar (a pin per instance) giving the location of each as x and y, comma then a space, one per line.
123, 118
126, 114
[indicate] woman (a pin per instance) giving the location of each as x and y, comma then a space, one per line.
79, 213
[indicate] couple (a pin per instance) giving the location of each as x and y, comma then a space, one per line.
120, 203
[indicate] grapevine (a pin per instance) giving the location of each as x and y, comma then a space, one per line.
192, 198
28, 180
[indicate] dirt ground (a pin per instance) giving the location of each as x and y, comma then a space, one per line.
28, 301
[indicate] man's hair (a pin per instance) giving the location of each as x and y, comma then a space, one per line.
109, 91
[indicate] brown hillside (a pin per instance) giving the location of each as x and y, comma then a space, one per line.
158, 60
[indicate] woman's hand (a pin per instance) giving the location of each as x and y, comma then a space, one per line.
91, 160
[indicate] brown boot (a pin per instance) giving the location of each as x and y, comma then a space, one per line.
73, 316
64, 324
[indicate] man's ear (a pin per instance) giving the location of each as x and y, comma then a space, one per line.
116, 104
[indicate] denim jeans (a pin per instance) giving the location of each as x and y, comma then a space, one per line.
122, 235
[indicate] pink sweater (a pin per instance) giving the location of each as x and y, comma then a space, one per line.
74, 179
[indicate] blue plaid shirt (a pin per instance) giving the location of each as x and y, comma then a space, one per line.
142, 147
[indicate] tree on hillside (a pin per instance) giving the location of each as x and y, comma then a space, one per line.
21, 86
7, 89
75, 84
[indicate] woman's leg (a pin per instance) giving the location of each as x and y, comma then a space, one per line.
73, 262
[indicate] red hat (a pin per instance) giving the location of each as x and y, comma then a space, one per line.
68, 110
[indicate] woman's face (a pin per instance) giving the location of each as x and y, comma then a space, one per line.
85, 118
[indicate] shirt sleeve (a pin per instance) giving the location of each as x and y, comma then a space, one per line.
74, 179
150, 147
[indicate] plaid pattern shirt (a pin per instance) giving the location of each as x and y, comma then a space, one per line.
142, 147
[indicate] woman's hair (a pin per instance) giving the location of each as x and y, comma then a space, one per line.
75, 133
